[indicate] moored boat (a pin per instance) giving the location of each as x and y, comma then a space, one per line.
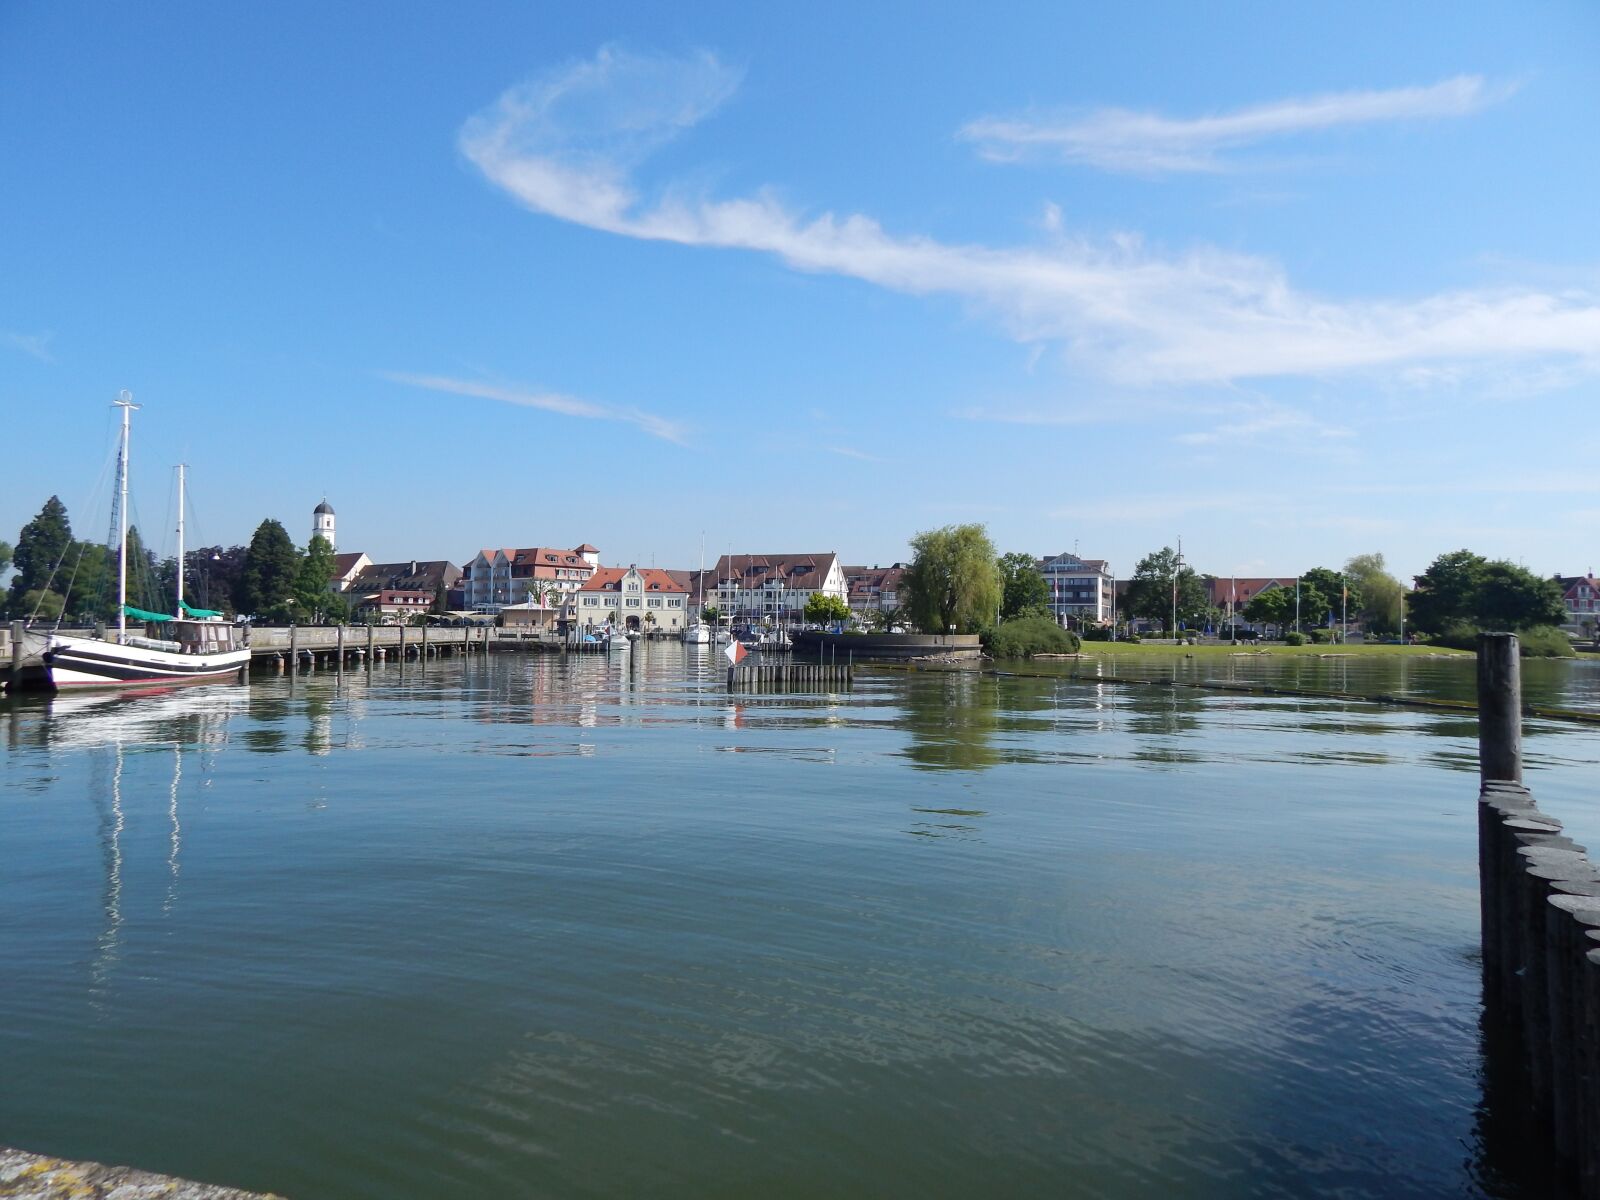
191, 645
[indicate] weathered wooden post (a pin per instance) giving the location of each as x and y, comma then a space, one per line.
1499, 708
424, 652
401, 653
16, 653
341, 647
370, 629
294, 647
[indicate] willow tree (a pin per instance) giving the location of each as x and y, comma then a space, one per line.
952, 583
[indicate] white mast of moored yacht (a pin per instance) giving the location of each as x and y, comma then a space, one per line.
124, 401
179, 613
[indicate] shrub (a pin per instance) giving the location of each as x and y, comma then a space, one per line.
1320, 637
1025, 636
1097, 633
1294, 638
1546, 641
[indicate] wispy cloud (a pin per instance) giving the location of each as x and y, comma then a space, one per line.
567, 406
1263, 421
35, 344
566, 144
1116, 139
850, 452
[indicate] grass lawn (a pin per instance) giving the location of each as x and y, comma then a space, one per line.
1223, 649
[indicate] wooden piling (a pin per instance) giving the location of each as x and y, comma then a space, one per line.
294, 646
1499, 707
16, 654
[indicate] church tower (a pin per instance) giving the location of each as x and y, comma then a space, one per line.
322, 523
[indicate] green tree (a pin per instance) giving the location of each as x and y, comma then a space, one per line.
1157, 580
1381, 593
312, 577
952, 581
5, 555
1446, 593
439, 597
43, 604
711, 614
41, 546
1336, 593
1275, 606
1462, 593
1023, 587
823, 609
267, 579
1514, 598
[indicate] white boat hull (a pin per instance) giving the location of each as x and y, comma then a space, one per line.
77, 662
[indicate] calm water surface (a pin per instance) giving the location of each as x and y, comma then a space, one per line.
590, 927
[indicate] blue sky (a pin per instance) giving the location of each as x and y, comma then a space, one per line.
1291, 284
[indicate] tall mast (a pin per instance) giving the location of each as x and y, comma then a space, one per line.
179, 613
124, 401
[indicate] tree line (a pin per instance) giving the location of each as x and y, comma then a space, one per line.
957, 582
60, 577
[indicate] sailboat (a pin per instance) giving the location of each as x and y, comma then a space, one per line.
698, 634
190, 645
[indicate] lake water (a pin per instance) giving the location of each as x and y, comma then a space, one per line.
584, 926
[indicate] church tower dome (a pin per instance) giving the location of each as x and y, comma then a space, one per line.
322, 522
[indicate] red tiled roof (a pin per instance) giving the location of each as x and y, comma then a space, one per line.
609, 579
803, 572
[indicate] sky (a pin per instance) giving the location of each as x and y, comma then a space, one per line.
1288, 282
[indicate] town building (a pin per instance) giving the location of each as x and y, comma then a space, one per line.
387, 590
1581, 596
346, 568
1229, 594
774, 588
874, 591
391, 606
533, 575
646, 599
1082, 590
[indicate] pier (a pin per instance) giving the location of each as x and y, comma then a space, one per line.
1540, 903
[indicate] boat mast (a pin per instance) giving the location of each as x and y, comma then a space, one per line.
179, 613
124, 401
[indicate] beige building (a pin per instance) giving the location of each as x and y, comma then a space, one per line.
646, 599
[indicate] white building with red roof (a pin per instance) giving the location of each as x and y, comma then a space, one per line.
646, 599
775, 587
534, 575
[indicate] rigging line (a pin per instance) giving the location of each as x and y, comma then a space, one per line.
67, 547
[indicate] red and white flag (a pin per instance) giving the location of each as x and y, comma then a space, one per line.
735, 652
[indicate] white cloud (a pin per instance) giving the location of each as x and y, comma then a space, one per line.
565, 145
851, 452
1266, 420
567, 406
35, 344
1116, 139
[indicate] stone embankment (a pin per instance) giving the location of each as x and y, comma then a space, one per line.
25, 1176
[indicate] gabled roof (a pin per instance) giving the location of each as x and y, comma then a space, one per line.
411, 575
802, 572
588, 549
343, 564
656, 581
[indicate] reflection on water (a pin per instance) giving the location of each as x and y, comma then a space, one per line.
464, 927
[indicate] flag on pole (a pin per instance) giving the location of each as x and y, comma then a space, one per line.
735, 652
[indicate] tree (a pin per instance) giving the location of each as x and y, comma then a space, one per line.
711, 614
1023, 586
213, 573
1514, 598
40, 548
1275, 606
5, 555
312, 578
439, 598
42, 603
1157, 580
1446, 593
1381, 593
952, 582
267, 580
1335, 593
1462, 593
823, 609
